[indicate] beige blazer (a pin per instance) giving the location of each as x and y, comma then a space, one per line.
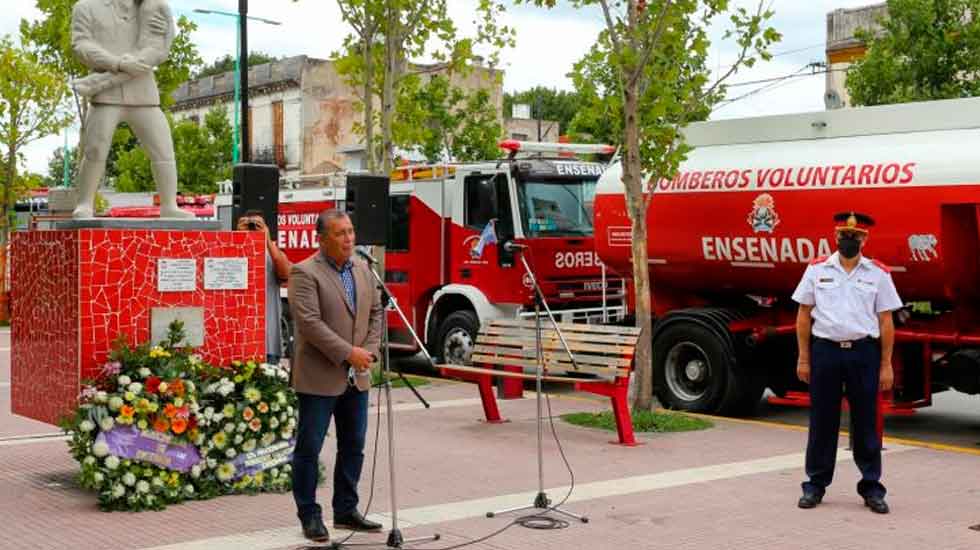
326, 326
100, 36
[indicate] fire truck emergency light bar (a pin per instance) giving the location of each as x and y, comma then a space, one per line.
515, 146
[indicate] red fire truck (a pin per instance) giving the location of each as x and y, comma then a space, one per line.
731, 234
445, 264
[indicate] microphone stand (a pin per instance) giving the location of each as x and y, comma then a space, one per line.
541, 501
395, 538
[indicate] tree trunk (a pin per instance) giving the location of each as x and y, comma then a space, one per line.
636, 206
372, 159
392, 43
10, 177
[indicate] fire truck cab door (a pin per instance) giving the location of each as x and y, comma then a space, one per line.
487, 209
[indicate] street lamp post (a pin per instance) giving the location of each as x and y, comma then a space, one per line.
242, 150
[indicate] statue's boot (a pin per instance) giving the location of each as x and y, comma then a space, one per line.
165, 175
89, 176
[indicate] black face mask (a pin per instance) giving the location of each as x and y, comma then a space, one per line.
849, 247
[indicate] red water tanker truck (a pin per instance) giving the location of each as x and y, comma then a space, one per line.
731, 235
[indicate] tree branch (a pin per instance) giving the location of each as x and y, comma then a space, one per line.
650, 45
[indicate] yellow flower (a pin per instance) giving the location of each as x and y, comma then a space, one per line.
259, 478
157, 351
143, 405
220, 439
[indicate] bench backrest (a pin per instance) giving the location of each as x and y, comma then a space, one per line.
599, 350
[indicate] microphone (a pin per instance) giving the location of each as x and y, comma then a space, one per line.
364, 254
511, 246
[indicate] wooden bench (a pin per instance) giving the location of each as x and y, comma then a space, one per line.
507, 348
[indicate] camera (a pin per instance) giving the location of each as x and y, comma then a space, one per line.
252, 226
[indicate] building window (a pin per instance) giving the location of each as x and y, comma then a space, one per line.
519, 137
398, 226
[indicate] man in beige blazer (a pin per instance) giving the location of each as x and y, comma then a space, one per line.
337, 309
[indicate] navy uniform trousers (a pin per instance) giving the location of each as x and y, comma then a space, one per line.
831, 369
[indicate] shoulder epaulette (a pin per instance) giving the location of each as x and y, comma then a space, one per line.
819, 260
881, 264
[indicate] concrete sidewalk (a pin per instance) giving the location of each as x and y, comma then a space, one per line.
733, 486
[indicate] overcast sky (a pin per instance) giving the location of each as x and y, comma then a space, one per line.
548, 43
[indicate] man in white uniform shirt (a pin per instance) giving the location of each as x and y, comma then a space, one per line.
845, 333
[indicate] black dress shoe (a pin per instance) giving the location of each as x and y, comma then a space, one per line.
355, 522
809, 500
877, 504
315, 530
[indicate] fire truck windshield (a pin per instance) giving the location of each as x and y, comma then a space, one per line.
556, 207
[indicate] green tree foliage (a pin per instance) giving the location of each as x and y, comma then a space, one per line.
553, 104
387, 35
32, 106
56, 167
444, 122
925, 50
227, 64
203, 157
645, 78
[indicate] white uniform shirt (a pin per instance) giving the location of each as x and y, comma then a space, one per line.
846, 305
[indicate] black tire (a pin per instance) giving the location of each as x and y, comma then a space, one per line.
693, 369
457, 335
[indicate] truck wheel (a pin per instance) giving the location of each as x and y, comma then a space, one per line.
457, 336
691, 368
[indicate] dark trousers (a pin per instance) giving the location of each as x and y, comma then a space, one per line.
832, 368
349, 411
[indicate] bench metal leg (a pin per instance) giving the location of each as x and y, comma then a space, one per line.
617, 393
485, 384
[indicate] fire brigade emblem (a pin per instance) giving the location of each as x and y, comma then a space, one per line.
763, 217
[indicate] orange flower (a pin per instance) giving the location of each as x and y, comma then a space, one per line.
178, 426
170, 410
127, 411
161, 425
177, 387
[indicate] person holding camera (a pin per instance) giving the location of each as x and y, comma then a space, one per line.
277, 267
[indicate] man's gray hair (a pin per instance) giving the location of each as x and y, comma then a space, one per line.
327, 216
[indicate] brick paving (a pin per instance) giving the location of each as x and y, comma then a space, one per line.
447, 459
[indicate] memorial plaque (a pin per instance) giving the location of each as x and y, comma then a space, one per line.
176, 275
225, 273
192, 317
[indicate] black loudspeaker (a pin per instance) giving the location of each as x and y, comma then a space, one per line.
256, 187
367, 206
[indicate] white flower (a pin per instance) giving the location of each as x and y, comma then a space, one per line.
249, 446
144, 372
189, 386
212, 463
86, 425
281, 397
157, 482
274, 472
123, 380
268, 439
291, 423
226, 471
218, 417
194, 407
199, 440
89, 460
287, 434
106, 424
274, 423
230, 453
100, 449
129, 479
98, 478
189, 489
196, 471
112, 462
101, 397
242, 427
289, 410
274, 407
226, 389
129, 396
287, 468
283, 416
163, 387
118, 491
239, 439
229, 427
135, 387
115, 403
142, 487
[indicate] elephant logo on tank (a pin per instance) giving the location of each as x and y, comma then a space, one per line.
763, 217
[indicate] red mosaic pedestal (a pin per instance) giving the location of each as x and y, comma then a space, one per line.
75, 291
